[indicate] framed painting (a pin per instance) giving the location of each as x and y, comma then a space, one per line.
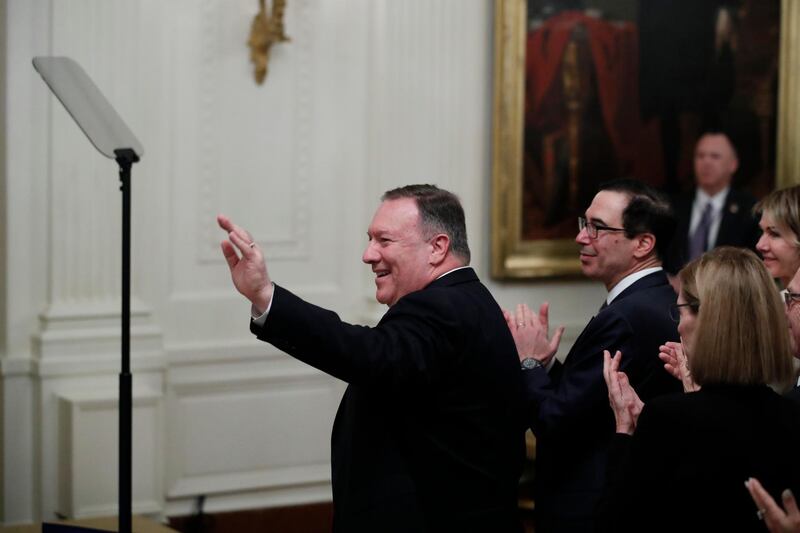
590, 90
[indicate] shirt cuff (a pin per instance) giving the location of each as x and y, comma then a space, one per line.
260, 320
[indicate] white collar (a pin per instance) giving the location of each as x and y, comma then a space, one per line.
627, 281
717, 201
453, 270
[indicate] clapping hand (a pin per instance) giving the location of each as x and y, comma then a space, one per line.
531, 333
777, 520
624, 401
675, 362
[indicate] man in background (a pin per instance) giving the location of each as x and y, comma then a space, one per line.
714, 214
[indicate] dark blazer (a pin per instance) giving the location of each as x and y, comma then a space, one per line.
794, 394
429, 434
569, 411
738, 227
685, 466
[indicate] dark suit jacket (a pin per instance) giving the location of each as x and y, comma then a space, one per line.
569, 410
794, 394
738, 227
685, 466
429, 434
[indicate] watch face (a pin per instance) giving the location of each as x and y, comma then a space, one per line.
530, 363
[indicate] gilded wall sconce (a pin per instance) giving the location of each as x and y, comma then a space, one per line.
266, 30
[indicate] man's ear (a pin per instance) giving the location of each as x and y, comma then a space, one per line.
645, 245
734, 165
440, 247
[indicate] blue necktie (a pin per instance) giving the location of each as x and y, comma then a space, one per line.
699, 240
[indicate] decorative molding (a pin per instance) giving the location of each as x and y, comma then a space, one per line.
230, 378
15, 367
88, 453
84, 195
266, 478
418, 130
204, 353
243, 426
427, 98
85, 338
252, 499
297, 56
303, 288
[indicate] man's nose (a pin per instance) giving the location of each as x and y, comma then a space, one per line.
370, 255
583, 237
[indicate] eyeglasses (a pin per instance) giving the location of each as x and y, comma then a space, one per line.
789, 297
675, 310
592, 228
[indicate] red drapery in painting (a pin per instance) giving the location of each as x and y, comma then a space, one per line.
614, 53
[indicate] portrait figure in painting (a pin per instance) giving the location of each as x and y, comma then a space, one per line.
624, 88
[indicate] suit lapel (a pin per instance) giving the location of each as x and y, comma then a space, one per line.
651, 280
730, 217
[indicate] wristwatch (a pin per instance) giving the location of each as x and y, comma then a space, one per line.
529, 363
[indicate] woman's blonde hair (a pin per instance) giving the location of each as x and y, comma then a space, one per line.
741, 335
783, 206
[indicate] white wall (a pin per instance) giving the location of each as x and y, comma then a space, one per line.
368, 95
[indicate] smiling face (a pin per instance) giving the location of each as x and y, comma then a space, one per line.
609, 257
399, 255
778, 249
714, 163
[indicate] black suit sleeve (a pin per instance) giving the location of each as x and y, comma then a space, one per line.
413, 344
637, 467
561, 401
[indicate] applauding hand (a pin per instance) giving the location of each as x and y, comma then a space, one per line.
676, 363
531, 333
777, 520
624, 401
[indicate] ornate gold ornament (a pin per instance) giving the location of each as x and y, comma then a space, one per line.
266, 30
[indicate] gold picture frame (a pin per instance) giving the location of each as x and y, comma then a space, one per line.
514, 257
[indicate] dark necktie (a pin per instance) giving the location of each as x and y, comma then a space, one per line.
699, 240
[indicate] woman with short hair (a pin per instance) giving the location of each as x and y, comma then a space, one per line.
779, 244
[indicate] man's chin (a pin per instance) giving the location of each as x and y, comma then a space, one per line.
383, 298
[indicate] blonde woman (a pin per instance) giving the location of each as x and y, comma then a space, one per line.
679, 462
779, 244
